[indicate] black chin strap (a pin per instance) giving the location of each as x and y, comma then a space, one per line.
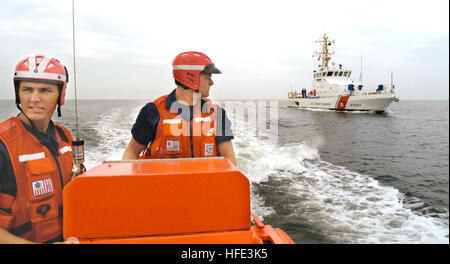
43, 140
33, 126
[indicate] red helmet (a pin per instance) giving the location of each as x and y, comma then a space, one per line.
41, 68
187, 67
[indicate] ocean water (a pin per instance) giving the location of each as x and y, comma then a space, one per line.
321, 176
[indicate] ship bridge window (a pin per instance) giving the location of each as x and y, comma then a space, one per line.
345, 74
340, 73
330, 73
336, 73
349, 73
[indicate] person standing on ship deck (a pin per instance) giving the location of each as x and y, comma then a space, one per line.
36, 156
184, 123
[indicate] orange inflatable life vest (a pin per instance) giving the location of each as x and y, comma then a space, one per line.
35, 213
177, 138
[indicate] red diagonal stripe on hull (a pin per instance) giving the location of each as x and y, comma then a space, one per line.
342, 102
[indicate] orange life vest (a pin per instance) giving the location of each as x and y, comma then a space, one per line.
177, 138
35, 213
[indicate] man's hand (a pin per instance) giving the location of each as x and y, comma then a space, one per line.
8, 238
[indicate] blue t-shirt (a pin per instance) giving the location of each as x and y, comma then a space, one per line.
146, 125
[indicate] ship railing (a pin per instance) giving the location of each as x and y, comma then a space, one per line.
373, 89
294, 95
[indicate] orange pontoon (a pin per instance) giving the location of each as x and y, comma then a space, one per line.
181, 201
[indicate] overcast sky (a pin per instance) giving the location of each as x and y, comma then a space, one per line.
264, 48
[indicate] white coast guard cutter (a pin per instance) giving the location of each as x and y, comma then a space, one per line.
332, 89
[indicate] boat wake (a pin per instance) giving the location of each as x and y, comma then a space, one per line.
339, 205
112, 136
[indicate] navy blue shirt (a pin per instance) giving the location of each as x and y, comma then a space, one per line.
7, 177
8, 183
146, 125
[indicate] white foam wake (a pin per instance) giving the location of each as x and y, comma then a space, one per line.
114, 132
341, 205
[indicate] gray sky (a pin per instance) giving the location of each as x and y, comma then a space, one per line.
264, 48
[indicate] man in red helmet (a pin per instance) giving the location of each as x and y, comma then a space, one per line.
184, 123
36, 155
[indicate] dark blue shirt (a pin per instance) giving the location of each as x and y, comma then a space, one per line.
146, 125
8, 183
7, 177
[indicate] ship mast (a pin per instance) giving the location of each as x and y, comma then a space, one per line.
324, 54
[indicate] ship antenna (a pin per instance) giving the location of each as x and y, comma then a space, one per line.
392, 82
78, 144
360, 73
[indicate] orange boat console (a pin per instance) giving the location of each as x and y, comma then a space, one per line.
181, 201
